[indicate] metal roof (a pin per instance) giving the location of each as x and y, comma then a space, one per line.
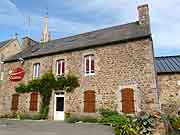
168, 64
90, 39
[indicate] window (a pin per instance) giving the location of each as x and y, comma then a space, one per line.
2, 67
36, 70
60, 67
2, 76
15, 100
128, 101
89, 64
89, 101
33, 101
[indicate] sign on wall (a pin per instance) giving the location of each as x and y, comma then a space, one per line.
16, 74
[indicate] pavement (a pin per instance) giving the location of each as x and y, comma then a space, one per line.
15, 127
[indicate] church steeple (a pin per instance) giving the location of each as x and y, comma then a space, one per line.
45, 34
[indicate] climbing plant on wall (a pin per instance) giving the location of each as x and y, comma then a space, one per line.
45, 85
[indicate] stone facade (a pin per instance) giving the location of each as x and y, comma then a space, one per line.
117, 66
126, 63
10, 49
169, 86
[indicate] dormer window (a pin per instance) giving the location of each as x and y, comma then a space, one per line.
60, 67
89, 65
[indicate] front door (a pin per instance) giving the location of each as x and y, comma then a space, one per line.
59, 106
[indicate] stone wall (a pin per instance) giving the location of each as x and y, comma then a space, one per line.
6, 51
124, 65
11, 49
169, 86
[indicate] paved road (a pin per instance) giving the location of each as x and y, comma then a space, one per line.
51, 128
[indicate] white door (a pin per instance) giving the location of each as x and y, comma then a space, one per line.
59, 106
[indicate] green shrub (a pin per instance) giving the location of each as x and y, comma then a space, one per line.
88, 119
36, 117
144, 124
85, 119
9, 115
67, 115
121, 123
23, 116
72, 119
20, 116
107, 112
125, 125
175, 122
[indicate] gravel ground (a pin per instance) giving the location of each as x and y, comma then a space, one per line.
14, 127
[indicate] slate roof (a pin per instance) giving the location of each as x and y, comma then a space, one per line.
168, 64
86, 40
3, 43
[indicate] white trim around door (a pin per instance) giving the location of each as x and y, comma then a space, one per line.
59, 106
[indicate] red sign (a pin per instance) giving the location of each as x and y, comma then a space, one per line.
17, 74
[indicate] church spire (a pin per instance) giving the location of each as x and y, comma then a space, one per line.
46, 35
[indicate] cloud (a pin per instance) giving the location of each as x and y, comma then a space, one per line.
165, 18
12, 16
76, 16
9, 14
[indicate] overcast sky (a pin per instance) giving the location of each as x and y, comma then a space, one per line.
69, 17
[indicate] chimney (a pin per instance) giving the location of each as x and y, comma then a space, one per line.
28, 42
144, 19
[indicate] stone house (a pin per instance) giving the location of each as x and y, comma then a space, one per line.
8, 48
168, 78
115, 67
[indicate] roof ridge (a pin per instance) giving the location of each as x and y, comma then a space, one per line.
6, 40
168, 56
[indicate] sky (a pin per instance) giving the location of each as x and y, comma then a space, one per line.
71, 17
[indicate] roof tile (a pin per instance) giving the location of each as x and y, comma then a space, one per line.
89, 39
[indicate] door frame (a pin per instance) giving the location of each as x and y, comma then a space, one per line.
55, 96
137, 97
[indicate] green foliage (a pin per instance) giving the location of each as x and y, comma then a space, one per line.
72, 119
122, 125
67, 115
22, 116
71, 83
61, 82
144, 124
125, 125
175, 122
45, 85
89, 119
9, 115
84, 119
36, 117
107, 112
22, 88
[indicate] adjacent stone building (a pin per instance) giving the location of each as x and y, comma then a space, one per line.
8, 48
168, 77
115, 67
